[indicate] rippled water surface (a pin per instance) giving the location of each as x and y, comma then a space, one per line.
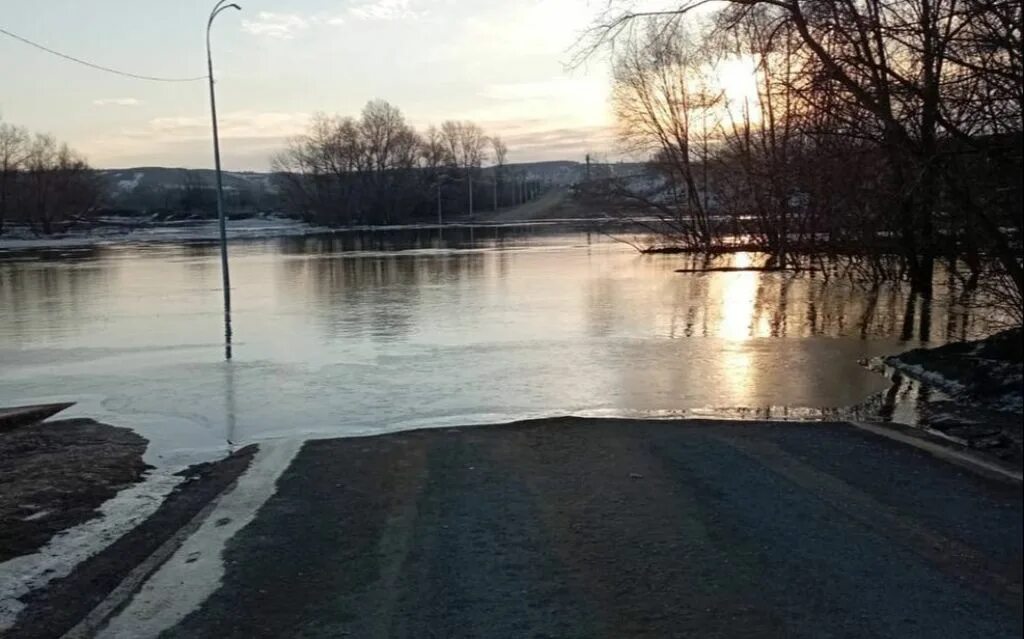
363, 333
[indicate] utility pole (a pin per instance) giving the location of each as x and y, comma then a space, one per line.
588, 167
495, 192
469, 176
225, 275
440, 218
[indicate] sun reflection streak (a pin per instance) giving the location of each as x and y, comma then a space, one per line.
739, 296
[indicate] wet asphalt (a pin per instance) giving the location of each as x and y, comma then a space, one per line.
605, 528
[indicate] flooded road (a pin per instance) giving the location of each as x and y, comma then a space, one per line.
364, 333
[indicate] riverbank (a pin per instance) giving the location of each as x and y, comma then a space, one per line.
554, 206
114, 230
988, 372
976, 397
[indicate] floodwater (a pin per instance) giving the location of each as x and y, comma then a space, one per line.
363, 333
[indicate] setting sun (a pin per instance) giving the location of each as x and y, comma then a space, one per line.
737, 79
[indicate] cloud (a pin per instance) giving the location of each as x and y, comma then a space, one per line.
584, 88
248, 138
561, 140
384, 10
276, 25
545, 30
117, 102
237, 124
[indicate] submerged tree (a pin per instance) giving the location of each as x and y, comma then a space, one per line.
666, 108
872, 120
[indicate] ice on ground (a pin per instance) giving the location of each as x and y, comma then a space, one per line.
932, 378
56, 560
129, 230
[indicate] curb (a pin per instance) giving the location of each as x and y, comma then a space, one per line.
946, 451
19, 416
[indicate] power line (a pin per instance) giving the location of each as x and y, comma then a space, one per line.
98, 66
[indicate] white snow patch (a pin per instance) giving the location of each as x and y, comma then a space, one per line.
185, 231
1008, 403
196, 570
129, 186
119, 515
928, 377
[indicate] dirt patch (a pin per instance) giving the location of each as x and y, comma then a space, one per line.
57, 474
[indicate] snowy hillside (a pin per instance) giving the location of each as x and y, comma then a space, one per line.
129, 181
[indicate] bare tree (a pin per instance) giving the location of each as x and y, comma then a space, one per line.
665, 107
435, 152
13, 152
56, 184
374, 169
926, 88
500, 150
466, 144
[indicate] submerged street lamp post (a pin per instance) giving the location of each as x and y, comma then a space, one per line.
220, 6
440, 212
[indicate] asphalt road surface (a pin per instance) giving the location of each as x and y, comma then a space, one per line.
600, 528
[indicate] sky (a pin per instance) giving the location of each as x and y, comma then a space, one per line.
501, 63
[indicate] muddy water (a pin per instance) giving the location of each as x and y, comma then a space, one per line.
364, 333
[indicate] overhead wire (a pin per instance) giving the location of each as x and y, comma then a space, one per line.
99, 67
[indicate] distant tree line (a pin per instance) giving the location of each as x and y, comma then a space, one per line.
43, 183
377, 169
870, 125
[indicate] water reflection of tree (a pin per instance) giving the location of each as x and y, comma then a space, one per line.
374, 296
826, 302
50, 298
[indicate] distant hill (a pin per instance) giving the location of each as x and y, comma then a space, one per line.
567, 173
126, 181
149, 188
157, 188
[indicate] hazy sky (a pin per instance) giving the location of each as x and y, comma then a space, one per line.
500, 63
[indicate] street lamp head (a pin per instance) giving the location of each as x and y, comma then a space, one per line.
220, 6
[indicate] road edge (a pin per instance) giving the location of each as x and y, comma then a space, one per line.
64, 604
945, 450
